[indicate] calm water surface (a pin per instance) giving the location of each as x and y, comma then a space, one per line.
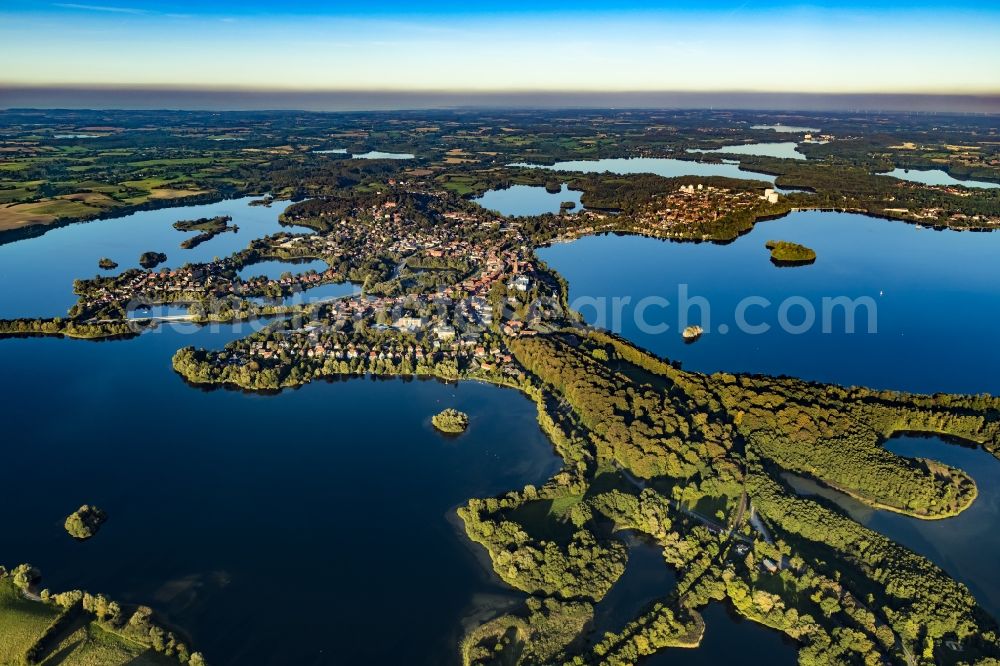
935, 296
647, 578
784, 149
528, 200
659, 166
379, 155
328, 504
275, 269
966, 546
936, 177
730, 639
318, 515
785, 129
36, 275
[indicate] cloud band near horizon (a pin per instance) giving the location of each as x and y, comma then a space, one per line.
770, 46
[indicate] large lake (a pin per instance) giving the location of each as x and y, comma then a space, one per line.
935, 296
36, 275
660, 166
323, 515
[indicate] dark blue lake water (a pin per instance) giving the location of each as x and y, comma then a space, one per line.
935, 298
308, 515
730, 639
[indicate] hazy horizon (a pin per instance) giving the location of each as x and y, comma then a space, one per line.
508, 48
201, 99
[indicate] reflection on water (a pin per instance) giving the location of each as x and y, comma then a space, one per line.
529, 200
936, 177
329, 502
785, 149
379, 155
730, 639
274, 269
660, 166
966, 546
37, 274
920, 285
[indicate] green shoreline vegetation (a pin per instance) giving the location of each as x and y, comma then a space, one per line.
451, 421
77, 627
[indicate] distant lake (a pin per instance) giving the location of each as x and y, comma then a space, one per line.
36, 274
936, 177
331, 151
379, 155
784, 149
660, 166
275, 269
786, 129
936, 297
966, 546
529, 200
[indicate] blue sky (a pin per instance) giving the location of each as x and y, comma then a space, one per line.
635, 45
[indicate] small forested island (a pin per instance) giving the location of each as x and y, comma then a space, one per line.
210, 227
785, 253
85, 522
451, 421
151, 259
107, 264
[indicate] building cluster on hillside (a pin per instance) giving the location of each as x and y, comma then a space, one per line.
697, 204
